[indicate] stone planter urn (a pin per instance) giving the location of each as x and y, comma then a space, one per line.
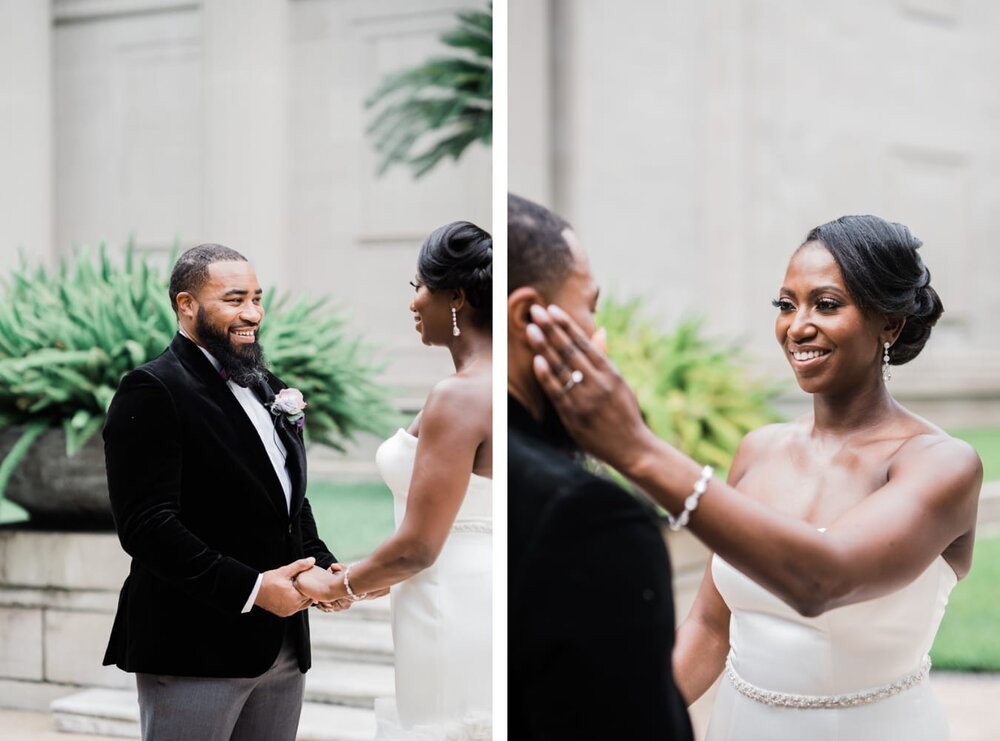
60, 492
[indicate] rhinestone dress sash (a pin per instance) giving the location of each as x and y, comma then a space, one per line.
817, 702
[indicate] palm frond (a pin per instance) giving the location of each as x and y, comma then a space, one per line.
440, 108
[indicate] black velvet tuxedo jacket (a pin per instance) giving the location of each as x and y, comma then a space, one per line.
198, 506
591, 614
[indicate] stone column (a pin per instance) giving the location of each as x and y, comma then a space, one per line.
26, 195
530, 121
246, 111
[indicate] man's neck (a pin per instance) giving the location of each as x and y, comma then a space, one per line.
211, 358
528, 394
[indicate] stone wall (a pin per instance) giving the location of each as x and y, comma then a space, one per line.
58, 594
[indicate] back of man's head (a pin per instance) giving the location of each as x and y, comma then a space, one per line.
538, 254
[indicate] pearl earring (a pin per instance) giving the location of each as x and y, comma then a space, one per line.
454, 323
886, 375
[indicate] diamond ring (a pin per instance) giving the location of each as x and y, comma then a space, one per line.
574, 378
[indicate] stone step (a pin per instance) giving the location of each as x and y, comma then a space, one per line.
369, 609
338, 636
115, 713
354, 683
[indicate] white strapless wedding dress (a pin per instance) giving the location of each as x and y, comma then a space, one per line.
441, 620
865, 664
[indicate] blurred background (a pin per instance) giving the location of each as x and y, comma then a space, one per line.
694, 144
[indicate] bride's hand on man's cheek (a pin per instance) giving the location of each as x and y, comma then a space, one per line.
586, 389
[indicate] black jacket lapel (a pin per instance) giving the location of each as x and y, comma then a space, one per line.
250, 449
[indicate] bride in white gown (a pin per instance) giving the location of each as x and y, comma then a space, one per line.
439, 471
839, 535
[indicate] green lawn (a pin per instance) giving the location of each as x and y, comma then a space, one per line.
969, 639
352, 518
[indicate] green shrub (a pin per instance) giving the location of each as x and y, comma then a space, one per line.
693, 392
67, 336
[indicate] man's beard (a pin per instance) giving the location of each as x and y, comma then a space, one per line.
242, 364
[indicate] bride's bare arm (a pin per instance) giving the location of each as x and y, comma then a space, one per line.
702, 641
927, 504
455, 421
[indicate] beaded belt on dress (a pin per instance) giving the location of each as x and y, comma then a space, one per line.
473, 525
848, 700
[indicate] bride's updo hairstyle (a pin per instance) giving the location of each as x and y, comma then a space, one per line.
460, 255
884, 274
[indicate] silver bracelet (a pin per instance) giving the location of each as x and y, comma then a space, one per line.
691, 503
347, 585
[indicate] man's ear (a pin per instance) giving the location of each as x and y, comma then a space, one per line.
519, 303
186, 305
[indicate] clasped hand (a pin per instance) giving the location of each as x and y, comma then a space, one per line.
283, 591
316, 584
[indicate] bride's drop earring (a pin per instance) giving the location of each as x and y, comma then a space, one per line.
454, 323
886, 375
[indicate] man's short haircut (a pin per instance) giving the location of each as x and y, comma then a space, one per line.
191, 271
538, 255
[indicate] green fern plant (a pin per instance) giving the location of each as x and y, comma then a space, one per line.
67, 337
693, 392
438, 109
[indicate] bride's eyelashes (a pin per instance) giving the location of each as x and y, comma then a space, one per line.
822, 304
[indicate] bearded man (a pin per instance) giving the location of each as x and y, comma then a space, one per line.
207, 478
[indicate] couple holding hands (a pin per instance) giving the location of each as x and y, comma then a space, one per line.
207, 476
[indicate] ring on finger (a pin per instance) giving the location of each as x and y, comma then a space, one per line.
574, 378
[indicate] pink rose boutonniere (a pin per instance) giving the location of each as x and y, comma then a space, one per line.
290, 403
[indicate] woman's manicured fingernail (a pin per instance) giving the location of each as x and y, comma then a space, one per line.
537, 313
540, 364
557, 312
535, 334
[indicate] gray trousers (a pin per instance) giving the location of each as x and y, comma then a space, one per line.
264, 708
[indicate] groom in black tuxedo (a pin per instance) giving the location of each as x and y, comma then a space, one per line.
590, 601
208, 493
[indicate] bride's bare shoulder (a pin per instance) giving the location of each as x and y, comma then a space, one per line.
766, 442
465, 396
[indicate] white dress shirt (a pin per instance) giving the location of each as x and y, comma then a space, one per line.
263, 422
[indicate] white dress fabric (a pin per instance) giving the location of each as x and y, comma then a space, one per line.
441, 620
848, 650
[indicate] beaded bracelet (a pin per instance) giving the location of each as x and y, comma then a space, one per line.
691, 503
347, 585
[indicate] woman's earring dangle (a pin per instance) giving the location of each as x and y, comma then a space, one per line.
454, 323
886, 375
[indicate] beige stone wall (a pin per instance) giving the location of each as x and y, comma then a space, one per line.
693, 144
